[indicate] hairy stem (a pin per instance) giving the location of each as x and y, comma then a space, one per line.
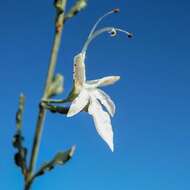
60, 6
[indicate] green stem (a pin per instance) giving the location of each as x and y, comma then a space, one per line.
60, 6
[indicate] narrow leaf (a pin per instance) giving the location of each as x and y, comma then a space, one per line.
60, 159
56, 86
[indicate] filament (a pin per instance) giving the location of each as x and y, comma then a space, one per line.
100, 19
111, 30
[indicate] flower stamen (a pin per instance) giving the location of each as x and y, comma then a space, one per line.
111, 30
116, 10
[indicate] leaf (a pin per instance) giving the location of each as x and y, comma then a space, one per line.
20, 158
77, 7
17, 140
60, 159
21, 154
56, 86
59, 4
57, 109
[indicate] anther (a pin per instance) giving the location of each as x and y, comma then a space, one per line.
116, 10
130, 35
113, 32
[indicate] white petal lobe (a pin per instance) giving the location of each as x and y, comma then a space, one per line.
79, 75
78, 103
105, 81
105, 101
102, 122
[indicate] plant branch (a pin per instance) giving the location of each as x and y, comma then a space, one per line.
60, 7
20, 156
53, 83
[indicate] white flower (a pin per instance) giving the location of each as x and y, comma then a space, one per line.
91, 97
86, 95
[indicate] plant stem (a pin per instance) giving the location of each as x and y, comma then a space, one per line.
50, 75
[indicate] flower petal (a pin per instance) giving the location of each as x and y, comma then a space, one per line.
78, 103
79, 75
105, 101
102, 122
105, 81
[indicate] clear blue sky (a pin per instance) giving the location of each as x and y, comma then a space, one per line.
152, 123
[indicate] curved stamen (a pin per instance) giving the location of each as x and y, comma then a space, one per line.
100, 19
111, 30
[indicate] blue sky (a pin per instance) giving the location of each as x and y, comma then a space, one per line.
152, 123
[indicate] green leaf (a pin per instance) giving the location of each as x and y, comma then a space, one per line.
59, 4
76, 8
56, 86
17, 140
20, 158
57, 109
21, 154
60, 159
